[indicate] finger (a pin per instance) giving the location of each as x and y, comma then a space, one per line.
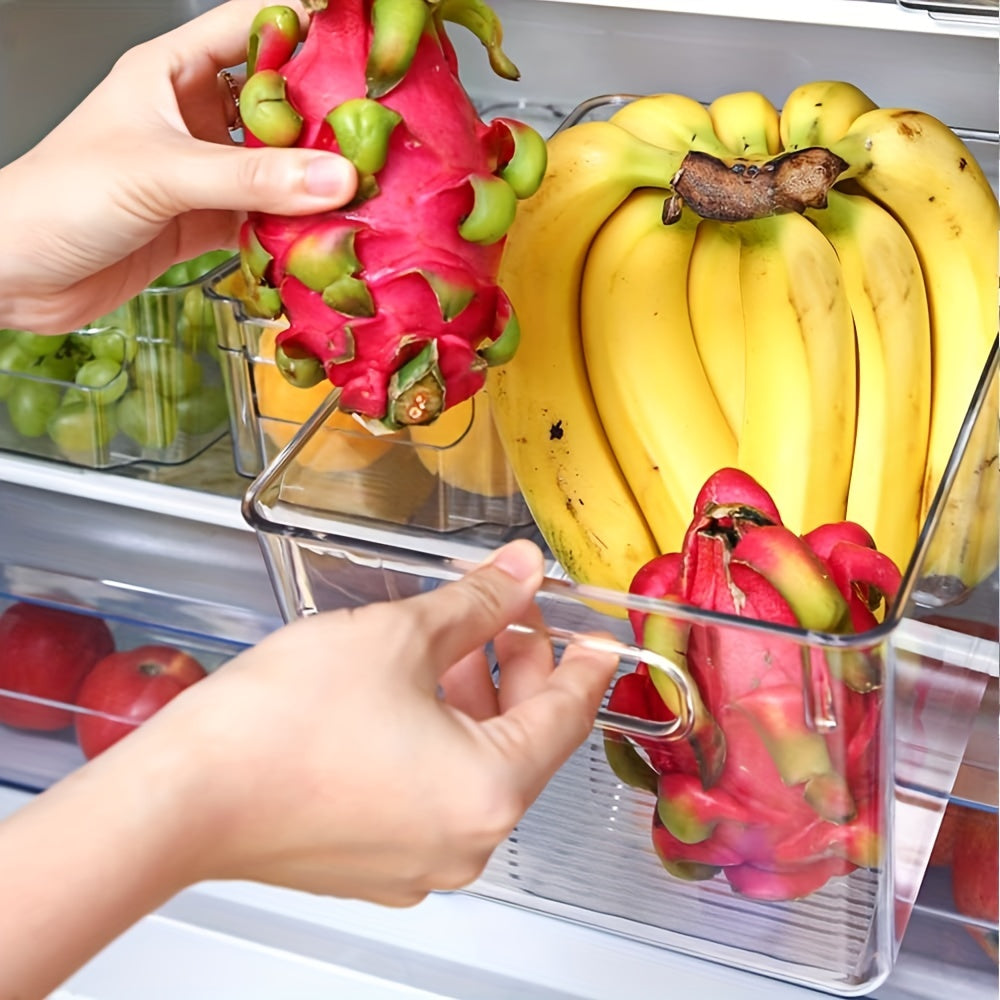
526, 660
282, 181
537, 736
456, 619
199, 232
468, 686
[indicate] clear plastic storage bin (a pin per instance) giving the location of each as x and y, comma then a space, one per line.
588, 850
153, 391
43, 731
442, 478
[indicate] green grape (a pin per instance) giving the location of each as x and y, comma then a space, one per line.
39, 345
81, 430
210, 343
79, 343
147, 418
29, 406
61, 367
74, 395
105, 377
187, 271
113, 345
166, 369
117, 319
204, 411
212, 259
195, 311
176, 274
13, 358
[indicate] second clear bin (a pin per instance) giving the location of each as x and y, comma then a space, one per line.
443, 477
144, 386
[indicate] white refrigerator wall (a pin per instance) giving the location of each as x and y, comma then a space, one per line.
53, 51
567, 52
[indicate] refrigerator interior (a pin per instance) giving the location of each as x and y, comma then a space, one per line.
134, 534
229, 939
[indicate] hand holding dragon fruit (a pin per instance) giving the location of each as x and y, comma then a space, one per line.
394, 297
758, 790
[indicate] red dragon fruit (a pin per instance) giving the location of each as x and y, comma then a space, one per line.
393, 298
777, 783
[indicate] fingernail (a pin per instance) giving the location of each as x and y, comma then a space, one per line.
520, 559
329, 177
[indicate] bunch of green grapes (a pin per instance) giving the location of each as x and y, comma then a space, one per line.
136, 372
189, 271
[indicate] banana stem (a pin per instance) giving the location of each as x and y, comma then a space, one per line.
743, 189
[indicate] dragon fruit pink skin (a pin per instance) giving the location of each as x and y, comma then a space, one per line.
394, 297
791, 806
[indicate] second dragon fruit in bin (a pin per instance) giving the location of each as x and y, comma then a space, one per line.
757, 792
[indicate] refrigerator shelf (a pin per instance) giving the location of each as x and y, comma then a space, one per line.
255, 940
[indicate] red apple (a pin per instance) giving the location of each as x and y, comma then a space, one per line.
46, 652
943, 852
126, 688
974, 874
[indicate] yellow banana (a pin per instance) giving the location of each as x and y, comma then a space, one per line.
799, 407
927, 178
821, 112
983, 556
746, 123
885, 288
963, 549
664, 423
541, 399
715, 305
672, 121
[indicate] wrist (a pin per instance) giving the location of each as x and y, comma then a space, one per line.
85, 860
156, 777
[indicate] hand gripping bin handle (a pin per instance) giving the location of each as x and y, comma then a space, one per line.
266, 488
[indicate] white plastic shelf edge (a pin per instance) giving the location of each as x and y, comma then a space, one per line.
91, 484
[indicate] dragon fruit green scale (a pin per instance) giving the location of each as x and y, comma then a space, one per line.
394, 297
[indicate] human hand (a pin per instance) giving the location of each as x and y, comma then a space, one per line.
326, 761
143, 174
322, 759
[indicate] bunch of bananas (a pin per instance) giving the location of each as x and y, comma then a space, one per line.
809, 296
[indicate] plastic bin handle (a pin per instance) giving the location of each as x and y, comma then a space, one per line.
265, 485
671, 730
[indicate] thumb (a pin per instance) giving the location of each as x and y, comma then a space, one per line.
264, 179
